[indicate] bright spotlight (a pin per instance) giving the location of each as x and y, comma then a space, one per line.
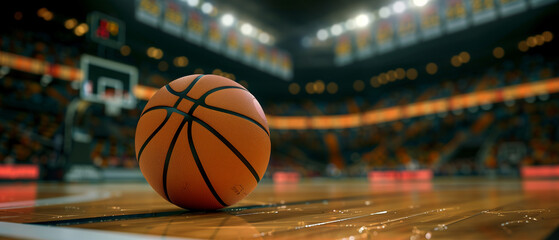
336, 29
246, 28
207, 8
362, 20
384, 12
322, 34
227, 19
420, 3
264, 37
399, 7
192, 3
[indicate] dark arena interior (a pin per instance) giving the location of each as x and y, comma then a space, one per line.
385, 119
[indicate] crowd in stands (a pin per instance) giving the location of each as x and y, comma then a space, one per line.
53, 48
449, 143
31, 117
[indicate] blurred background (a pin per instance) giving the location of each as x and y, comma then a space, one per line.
446, 88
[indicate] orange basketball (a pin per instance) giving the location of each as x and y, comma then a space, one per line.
202, 142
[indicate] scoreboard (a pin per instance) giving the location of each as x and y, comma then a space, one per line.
106, 30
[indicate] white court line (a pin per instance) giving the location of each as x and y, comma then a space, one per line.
87, 197
29, 231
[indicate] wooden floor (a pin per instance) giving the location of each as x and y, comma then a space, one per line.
311, 209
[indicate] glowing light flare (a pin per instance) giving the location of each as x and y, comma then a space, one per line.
374, 82
264, 37
540, 40
547, 36
154, 52
227, 20
455, 61
362, 20
48, 16
18, 15
319, 86
464, 57
70, 23
41, 12
411, 74
400, 73
192, 3
431, 68
322, 34
336, 29
523, 46
358, 85
399, 7
332, 87
498, 52
125, 50
384, 12
383, 78
181, 61
350, 24
207, 8
420, 3
81, 29
309, 88
531, 41
391, 75
294, 88
246, 29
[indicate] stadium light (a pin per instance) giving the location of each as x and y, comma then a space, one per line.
192, 3
81, 29
336, 29
420, 3
246, 28
207, 8
264, 37
384, 12
399, 7
70, 23
350, 24
362, 20
322, 34
227, 19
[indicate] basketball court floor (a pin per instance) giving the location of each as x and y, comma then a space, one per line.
310, 209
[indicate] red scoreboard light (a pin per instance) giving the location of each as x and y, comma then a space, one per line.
106, 30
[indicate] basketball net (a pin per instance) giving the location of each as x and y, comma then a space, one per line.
113, 106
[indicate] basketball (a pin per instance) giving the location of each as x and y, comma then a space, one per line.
202, 142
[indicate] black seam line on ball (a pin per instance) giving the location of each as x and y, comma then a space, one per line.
178, 94
153, 135
217, 134
168, 157
238, 115
199, 164
185, 91
201, 102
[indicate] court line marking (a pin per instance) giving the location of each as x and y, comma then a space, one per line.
341, 220
29, 231
87, 197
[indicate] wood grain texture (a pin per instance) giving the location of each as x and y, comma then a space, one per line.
313, 209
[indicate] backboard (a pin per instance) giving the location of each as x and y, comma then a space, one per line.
108, 82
